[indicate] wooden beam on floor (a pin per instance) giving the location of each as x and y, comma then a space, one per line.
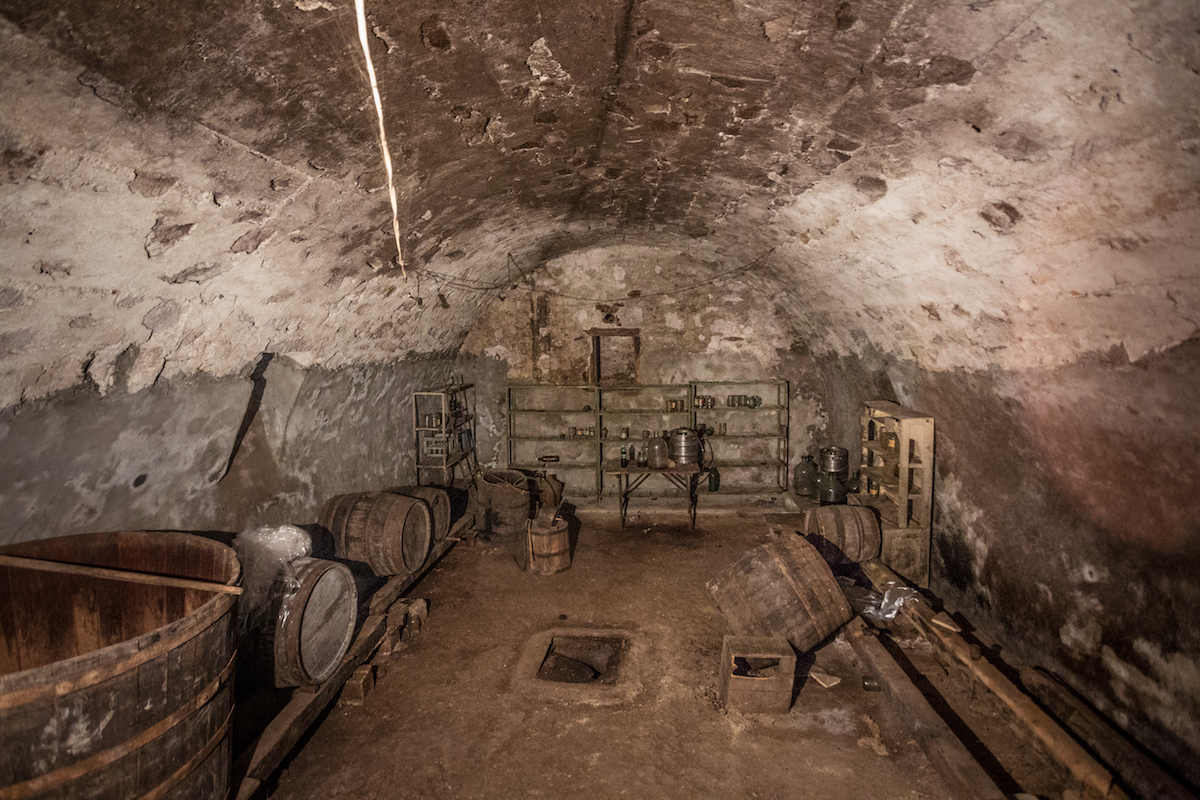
1062, 746
1137, 770
263, 757
959, 770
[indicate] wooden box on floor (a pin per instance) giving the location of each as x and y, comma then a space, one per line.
756, 674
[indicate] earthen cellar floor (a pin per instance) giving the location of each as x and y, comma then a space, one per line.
452, 717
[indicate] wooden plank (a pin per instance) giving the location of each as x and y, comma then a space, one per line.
961, 772
115, 574
263, 757
614, 332
1138, 770
1057, 741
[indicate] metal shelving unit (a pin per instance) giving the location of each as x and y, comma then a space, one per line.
749, 444
540, 417
642, 409
444, 433
540, 422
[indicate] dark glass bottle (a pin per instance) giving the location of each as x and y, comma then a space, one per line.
804, 477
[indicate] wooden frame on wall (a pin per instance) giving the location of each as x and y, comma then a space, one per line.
632, 358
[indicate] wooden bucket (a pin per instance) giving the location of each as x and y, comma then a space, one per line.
391, 533
439, 507
317, 607
782, 588
549, 548
846, 533
111, 688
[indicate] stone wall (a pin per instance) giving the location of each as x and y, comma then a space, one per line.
199, 453
1066, 503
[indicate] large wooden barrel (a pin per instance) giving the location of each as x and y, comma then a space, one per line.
316, 608
844, 533
548, 550
111, 688
439, 507
391, 533
782, 588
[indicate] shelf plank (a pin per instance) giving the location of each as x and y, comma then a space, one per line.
551, 411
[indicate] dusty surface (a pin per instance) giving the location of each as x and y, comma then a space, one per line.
452, 717
985, 210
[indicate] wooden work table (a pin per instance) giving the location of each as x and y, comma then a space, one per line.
685, 476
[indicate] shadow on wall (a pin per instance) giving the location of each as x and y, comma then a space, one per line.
1066, 509
203, 453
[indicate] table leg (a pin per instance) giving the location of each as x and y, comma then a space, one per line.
623, 486
693, 497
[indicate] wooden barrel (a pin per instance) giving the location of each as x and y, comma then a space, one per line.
782, 588
549, 548
391, 533
439, 507
317, 606
504, 495
844, 533
111, 688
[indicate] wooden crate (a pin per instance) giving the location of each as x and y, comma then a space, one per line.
897, 481
757, 674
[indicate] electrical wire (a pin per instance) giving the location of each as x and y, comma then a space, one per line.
360, 9
464, 284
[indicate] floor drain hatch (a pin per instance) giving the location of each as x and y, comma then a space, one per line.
583, 659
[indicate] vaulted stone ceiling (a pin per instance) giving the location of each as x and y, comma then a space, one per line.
970, 184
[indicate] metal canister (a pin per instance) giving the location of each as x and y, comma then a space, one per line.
684, 446
835, 460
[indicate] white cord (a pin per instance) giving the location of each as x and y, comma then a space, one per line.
387, 156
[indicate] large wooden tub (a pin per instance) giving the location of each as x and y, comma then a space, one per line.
112, 688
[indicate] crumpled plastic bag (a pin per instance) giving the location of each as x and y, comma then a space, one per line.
267, 553
890, 603
874, 606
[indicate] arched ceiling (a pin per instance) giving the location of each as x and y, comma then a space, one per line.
968, 183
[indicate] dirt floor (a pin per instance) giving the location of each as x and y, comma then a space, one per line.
459, 714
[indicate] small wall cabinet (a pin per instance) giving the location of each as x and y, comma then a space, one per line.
444, 434
897, 481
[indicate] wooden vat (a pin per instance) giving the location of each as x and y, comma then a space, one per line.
113, 688
548, 549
